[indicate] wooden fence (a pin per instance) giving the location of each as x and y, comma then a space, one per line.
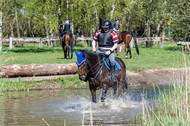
51, 41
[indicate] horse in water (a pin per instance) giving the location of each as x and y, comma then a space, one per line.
67, 42
91, 68
126, 37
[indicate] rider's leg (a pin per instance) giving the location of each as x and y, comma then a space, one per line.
112, 72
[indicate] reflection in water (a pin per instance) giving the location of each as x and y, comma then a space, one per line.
72, 107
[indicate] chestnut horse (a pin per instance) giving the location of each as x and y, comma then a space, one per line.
126, 37
67, 41
92, 68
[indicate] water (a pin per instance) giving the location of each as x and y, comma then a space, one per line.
71, 108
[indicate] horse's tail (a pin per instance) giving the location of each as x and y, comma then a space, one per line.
136, 45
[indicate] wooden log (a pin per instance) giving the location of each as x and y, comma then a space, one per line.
38, 69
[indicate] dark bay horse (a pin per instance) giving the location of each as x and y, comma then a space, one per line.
91, 68
126, 37
67, 42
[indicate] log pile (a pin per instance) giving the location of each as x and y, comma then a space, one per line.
17, 70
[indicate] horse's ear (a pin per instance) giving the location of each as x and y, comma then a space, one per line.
83, 54
76, 53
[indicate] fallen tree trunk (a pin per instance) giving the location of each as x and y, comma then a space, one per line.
38, 70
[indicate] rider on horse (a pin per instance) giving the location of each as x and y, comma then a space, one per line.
67, 27
116, 25
107, 43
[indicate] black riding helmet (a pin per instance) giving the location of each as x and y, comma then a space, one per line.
106, 24
67, 18
116, 19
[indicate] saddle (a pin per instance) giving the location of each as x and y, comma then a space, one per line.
107, 64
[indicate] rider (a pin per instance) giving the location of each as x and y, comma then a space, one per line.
116, 25
67, 27
107, 43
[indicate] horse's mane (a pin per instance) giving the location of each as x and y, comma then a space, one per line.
125, 32
90, 55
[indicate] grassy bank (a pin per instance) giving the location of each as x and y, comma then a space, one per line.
168, 56
60, 83
172, 106
172, 109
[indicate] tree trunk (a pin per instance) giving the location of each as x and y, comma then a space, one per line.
38, 70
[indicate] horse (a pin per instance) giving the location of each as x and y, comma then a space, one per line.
67, 42
92, 68
126, 37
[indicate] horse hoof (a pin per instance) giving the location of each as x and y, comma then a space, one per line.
126, 57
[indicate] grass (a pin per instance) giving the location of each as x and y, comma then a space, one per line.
173, 106
154, 57
62, 82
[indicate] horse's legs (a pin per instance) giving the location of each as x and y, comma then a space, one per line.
114, 90
128, 50
68, 50
104, 92
120, 88
71, 52
116, 52
65, 52
93, 92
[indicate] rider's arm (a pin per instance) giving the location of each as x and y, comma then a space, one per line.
93, 45
94, 41
70, 26
63, 27
114, 47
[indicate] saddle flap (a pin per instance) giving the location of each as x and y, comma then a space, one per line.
107, 64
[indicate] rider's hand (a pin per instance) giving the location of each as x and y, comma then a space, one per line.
108, 52
93, 49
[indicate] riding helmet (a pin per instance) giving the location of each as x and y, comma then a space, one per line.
116, 19
106, 24
67, 18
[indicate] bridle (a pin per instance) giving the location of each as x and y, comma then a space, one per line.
87, 74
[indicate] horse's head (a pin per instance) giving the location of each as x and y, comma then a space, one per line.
82, 65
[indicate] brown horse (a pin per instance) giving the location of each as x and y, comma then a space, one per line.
67, 41
126, 37
92, 68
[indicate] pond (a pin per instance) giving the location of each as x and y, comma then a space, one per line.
72, 107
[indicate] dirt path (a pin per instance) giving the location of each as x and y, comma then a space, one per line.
147, 77
158, 76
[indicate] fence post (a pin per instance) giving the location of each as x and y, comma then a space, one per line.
54, 44
161, 42
0, 45
40, 43
10, 42
1, 31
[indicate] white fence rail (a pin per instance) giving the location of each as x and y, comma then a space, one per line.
50, 40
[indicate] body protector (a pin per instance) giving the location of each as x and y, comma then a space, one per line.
67, 27
105, 39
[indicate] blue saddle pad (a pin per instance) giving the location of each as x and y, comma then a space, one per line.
117, 66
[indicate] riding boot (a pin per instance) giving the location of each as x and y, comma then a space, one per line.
113, 80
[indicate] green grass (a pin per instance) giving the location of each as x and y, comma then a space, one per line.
172, 108
63, 82
169, 56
